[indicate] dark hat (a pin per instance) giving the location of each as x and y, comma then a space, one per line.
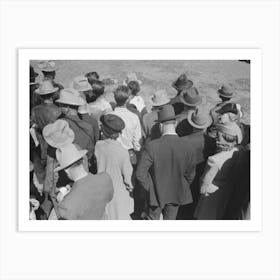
166, 114
112, 123
182, 83
226, 91
32, 73
190, 97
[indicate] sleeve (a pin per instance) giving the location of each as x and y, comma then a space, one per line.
210, 172
190, 168
127, 170
49, 181
143, 167
137, 135
96, 130
66, 212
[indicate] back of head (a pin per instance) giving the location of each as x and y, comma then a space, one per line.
92, 77
98, 88
121, 95
134, 87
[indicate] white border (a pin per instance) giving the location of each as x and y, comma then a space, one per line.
25, 55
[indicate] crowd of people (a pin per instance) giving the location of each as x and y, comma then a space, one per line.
92, 159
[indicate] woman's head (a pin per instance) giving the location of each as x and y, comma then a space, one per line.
133, 87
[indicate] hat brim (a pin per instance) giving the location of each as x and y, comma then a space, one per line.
160, 103
167, 119
48, 70
48, 92
89, 87
227, 96
82, 153
125, 83
66, 102
207, 124
189, 104
188, 85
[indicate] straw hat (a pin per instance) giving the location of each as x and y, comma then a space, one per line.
166, 114
71, 96
46, 87
131, 77
226, 91
231, 128
160, 98
47, 66
199, 118
67, 155
190, 97
58, 133
80, 83
182, 83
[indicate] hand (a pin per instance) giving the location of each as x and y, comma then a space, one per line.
206, 189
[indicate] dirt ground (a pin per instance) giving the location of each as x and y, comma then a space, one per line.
207, 75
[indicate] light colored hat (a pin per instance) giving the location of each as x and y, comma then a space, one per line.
58, 133
46, 87
226, 91
80, 83
47, 66
199, 118
190, 97
230, 128
84, 109
68, 154
131, 77
160, 98
71, 96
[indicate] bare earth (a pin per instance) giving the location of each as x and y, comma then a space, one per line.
207, 75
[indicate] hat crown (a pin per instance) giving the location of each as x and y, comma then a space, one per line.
160, 98
71, 96
113, 122
182, 82
200, 117
81, 83
191, 96
68, 154
47, 66
226, 91
46, 86
166, 113
231, 128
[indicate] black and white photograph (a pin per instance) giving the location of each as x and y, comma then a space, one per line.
139, 139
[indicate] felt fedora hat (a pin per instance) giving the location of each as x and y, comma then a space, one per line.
67, 155
199, 118
166, 114
226, 91
230, 128
131, 77
46, 87
160, 98
47, 66
182, 83
58, 134
71, 96
190, 97
80, 83
112, 124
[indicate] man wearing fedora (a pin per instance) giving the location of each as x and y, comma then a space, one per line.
151, 126
171, 164
89, 194
70, 101
199, 119
191, 99
180, 84
82, 85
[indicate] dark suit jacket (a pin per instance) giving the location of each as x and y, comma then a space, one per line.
171, 164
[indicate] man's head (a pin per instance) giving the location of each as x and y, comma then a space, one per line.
134, 87
121, 95
226, 93
112, 126
46, 90
98, 89
48, 68
167, 119
92, 77
49, 75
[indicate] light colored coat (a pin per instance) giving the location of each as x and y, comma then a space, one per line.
113, 159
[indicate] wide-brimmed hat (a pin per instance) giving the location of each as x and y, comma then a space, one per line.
46, 87
160, 98
166, 114
58, 134
182, 83
47, 66
71, 96
200, 118
226, 91
67, 155
80, 83
112, 123
131, 77
32, 73
190, 97
230, 128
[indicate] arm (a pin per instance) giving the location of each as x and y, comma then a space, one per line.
127, 172
142, 171
137, 135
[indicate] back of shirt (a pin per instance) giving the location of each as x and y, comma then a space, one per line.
88, 198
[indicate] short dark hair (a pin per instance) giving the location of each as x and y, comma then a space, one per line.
134, 87
92, 77
48, 96
98, 88
49, 74
121, 95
